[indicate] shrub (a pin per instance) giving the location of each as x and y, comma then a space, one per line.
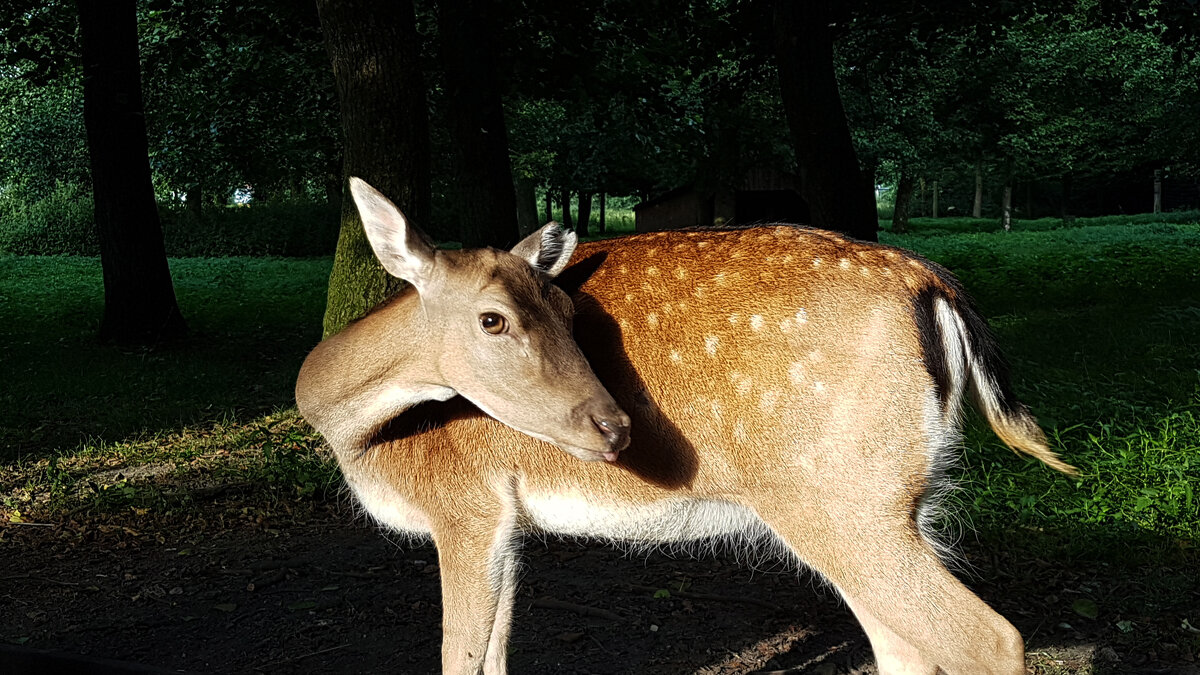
59, 223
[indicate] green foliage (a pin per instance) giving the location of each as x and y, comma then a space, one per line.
61, 222
1099, 323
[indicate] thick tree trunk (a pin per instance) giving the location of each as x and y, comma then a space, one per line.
838, 193
565, 200
977, 208
488, 205
381, 93
1157, 191
527, 216
904, 192
549, 206
584, 213
139, 299
935, 199
603, 212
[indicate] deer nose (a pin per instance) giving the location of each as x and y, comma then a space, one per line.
614, 427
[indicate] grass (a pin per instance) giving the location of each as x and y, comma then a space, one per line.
1099, 321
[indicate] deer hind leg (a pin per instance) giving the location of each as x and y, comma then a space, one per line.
915, 612
478, 564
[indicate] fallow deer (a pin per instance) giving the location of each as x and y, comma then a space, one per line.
780, 383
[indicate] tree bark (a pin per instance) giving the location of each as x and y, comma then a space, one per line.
139, 299
935, 199
584, 214
549, 206
838, 193
565, 200
603, 212
372, 45
904, 192
487, 208
527, 216
1157, 191
977, 208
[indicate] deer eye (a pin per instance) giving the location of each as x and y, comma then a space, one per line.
492, 323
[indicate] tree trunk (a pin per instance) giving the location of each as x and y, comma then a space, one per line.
527, 215
603, 212
565, 200
1157, 191
193, 201
1065, 198
381, 94
584, 213
1006, 208
921, 211
549, 206
838, 193
935, 199
904, 192
977, 208
488, 208
139, 299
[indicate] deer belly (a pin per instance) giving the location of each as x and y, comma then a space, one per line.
387, 506
665, 521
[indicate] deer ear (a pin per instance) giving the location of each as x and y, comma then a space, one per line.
401, 247
549, 249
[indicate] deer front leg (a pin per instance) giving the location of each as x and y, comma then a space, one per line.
478, 563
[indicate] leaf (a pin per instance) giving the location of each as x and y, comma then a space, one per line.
662, 593
331, 587
225, 607
1086, 608
302, 605
1125, 626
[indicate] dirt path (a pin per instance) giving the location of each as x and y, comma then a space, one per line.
331, 595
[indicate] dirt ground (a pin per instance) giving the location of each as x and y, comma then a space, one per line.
324, 592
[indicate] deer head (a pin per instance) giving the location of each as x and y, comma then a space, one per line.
498, 333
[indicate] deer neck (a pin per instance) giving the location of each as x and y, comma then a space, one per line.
378, 367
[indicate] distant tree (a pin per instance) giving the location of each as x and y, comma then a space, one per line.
840, 195
381, 89
139, 300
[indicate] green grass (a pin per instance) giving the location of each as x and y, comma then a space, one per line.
1100, 322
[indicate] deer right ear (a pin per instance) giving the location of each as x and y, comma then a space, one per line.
400, 247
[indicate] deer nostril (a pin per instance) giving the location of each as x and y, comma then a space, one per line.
614, 429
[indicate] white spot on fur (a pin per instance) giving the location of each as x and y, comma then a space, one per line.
652, 319
756, 322
768, 401
683, 305
735, 318
816, 262
742, 384
624, 324
702, 244
844, 263
787, 259
700, 291
711, 342
865, 272
796, 373
680, 273
715, 406
652, 271
739, 431
623, 269
785, 326
816, 356
802, 316
720, 278
675, 356
629, 297
819, 387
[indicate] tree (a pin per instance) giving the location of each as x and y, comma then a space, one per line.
139, 300
488, 206
373, 47
840, 196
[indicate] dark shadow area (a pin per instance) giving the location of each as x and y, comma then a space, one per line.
333, 595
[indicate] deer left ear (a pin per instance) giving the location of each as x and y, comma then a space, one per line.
549, 249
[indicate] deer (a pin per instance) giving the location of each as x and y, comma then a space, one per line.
772, 383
